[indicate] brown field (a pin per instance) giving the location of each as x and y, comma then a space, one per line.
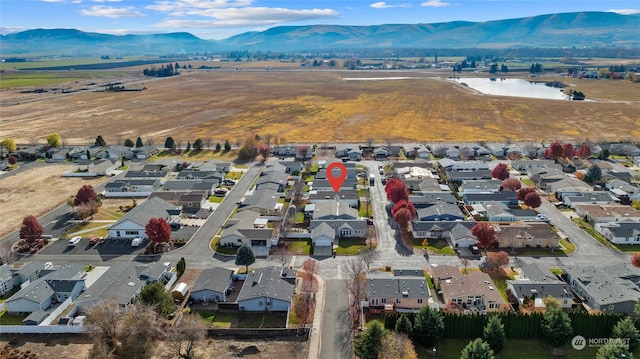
318, 106
35, 192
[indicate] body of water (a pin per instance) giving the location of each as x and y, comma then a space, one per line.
514, 87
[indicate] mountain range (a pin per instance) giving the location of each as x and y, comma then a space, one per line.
578, 29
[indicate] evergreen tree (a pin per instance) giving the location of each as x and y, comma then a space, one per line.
181, 266
404, 325
169, 143
477, 349
625, 329
218, 147
493, 69
100, 141
614, 349
154, 295
198, 144
139, 142
188, 146
128, 142
556, 327
493, 333
245, 257
504, 68
594, 174
227, 146
428, 326
368, 344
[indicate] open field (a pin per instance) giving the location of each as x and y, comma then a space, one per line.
35, 192
318, 106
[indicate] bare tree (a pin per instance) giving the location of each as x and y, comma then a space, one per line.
149, 141
304, 302
207, 142
282, 255
139, 332
465, 263
355, 286
311, 267
267, 139
33, 141
182, 339
104, 318
119, 140
530, 150
368, 255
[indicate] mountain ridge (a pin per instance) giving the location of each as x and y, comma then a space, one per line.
584, 29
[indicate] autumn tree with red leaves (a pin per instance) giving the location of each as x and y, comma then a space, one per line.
302, 151
264, 151
396, 190
403, 212
31, 230
497, 259
523, 192
554, 151
12, 160
635, 260
584, 151
532, 200
311, 267
511, 184
501, 171
85, 194
568, 150
404, 204
485, 233
158, 230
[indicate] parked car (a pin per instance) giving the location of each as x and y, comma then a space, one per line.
74, 241
95, 240
229, 182
136, 242
542, 217
474, 249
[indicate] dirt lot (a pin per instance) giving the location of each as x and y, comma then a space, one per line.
78, 346
319, 106
34, 192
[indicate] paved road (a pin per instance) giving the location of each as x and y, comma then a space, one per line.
336, 335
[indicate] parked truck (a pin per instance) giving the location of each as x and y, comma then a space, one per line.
372, 180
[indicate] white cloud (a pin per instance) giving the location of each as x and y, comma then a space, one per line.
435, 3
52, 0
625, 11
106, 0
186, 5
4, 30
380, 5
112, 12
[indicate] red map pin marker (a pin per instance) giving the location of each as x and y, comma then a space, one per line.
336, 181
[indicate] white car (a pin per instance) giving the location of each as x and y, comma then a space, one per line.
74, 241
136, 242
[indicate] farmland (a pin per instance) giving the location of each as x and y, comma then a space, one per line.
319, 106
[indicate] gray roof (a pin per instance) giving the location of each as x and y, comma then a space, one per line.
150, 208
145, 174
336, 224
625, 229
204, 184
556, 289
430, 198
445, 226
188, 175
37, 317
323, 229
590, 197
503, 196
350, 194
440, 209
608, 284
334, 210
323, 183
460, 231
242, 226
262, 198
489, 185
534, 272
429, 184
494, 208
5, 273
29, 268
463, 175
37, 291
279, 178
397, 287
214, 279
266, 283
322, 173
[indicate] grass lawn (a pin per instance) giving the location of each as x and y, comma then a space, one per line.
514, 349
215, 246
597, 236
216, 319
90, 229
233, 175
528, 182
215, 199
350, 246
9, 319
300, 247
363, 193
556, 271
299, 217
365, 209
434, 246
243, 320
567, 247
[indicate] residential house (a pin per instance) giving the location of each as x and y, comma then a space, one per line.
131, 187
95, 167
620, 233
623, 190
284, 151
280, 179
200, 175
324, 185
418, 151
243, 230
51, 287
396, 292
507, 198
322, 238
343, 150
144, 152
292, 167
459, 176
526, 235
596, 214
482, 186
523, 165
568, 186
495, 211
464, 166
264, 201
7, 280
207, 185
438, 229
349, 196
155, 175
430, 185
123, 282
336, 172
212, 285
355, 228
191, 202
578, 199
334, 209
428, 199
536, 283
133, 224
475, 292
265, 290
609, 288
355, 155
624, 149
440, 211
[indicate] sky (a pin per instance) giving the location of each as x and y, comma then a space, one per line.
219, 19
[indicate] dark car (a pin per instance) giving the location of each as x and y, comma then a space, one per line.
95, 240
474, 249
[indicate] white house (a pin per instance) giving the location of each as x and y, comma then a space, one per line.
212, 285
265, 290
133, 224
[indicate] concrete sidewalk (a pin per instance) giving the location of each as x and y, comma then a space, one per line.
315, 339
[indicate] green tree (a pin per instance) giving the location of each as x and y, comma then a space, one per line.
169, 143
9, 144
556, 327
198, 144
404, 325
139, 142
626, 329
594, 174
428, 326
227, 146
218, 147
54, 140
368, 344
128, 142
614, 349
477, 349
635, 204
245, 257
493, 333
504, 68
100, 141
154, 295
493, 69
181, 266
